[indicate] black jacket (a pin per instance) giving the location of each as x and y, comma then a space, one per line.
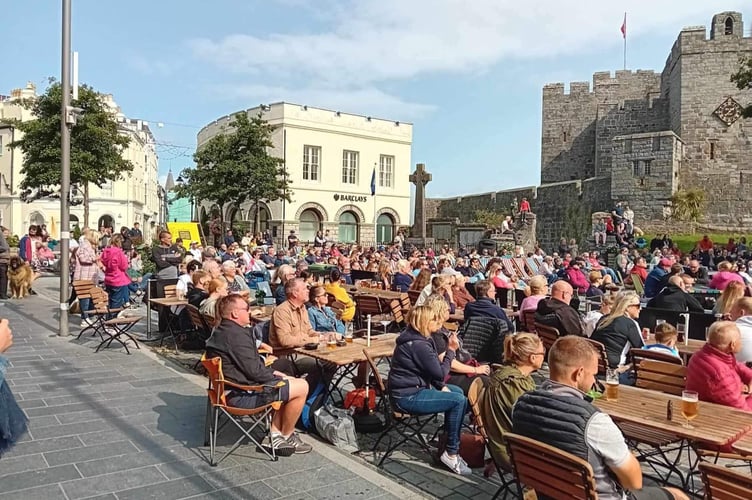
560, 315
483, 338
673, 298
241, 362
615, 337
416, 365
702, 277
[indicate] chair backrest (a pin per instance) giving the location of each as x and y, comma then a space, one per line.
519, 264
547, 334
549, 471
162, 288
413, 296
99, 299
602, 356
638, 285
660, 376
528, 320
406, 304
724, 484
198, 321
83, 288
399, 317
216, 390
474, 394
388, 408
533, 265
368, 304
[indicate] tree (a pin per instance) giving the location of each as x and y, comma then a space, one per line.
97, 145
688, 206
743, 80
488, 218
234, 167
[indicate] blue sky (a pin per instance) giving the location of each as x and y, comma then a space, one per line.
468, 75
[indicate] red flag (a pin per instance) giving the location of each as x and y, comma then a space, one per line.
624, 27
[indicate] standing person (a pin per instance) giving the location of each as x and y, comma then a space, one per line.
135, 233
86, 268
319, 241
166, 256
4, 261
25, 246
292, 240
116, 279
13, 422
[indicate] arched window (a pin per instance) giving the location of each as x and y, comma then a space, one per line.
264, 217
310, 222
384, 229
348, 227
36, 219
106, 221
729, 26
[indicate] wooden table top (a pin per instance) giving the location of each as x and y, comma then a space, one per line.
382, 346
387, 294
744, 444
169, 301
691, 347
715, 425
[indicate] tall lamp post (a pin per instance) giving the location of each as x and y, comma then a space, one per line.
66, 120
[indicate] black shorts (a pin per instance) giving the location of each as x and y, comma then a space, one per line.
650, 493
255, 399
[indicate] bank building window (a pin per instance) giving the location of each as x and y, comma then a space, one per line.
311, 163
386, 170
349, 167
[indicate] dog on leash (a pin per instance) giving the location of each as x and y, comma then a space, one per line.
20, 276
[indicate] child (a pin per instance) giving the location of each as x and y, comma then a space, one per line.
665, 338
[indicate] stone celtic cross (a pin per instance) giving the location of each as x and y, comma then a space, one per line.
420, 178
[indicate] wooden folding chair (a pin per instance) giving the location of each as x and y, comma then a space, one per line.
602, 356
397, 312
532, 265
508, 266
547, 334
474, 396
638, 284
723, 484
413, 296
663, 376
549, 471
217, 407
528, 320
409, 428
369, 304
99, 312
519, 264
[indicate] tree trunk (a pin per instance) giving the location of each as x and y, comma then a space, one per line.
86, 205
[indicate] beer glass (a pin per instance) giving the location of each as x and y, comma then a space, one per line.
331, 342
612, 385
349, 333
690, 407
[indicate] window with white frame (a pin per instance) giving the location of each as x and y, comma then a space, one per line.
311, 163
106, 189
386, 170
349, 167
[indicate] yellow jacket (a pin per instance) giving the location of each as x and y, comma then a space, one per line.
341, 295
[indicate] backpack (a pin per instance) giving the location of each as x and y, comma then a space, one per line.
316, 400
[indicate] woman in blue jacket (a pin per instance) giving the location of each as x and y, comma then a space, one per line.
322, 317
416, 381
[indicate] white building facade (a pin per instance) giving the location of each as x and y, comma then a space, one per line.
329, 159
136, 197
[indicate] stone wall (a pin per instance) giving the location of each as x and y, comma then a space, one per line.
464, 207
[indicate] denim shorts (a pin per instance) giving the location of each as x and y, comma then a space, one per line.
255, 399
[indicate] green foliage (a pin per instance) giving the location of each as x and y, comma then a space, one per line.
13, 240
488, 218
686, 242
688, 206
96, 144
577, 223
234, 167
743, 80
76, 233
145, 252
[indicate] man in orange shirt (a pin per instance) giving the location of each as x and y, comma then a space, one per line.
705, 244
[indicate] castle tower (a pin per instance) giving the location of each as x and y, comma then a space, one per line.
727, 24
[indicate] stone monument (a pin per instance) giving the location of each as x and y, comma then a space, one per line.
418, 232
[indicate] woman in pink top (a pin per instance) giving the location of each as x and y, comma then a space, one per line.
116, 279
724, 276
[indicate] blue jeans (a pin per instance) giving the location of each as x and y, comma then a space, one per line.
85, 305
118, 295
428, 401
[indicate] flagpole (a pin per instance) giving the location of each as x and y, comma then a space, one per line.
375, 228
624, 32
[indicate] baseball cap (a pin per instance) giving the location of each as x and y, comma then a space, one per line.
664, 262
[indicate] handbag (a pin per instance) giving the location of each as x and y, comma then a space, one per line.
336, 426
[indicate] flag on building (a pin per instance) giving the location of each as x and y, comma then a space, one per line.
624, 27
373, 182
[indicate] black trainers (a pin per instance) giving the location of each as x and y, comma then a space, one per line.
282, 448
300, 447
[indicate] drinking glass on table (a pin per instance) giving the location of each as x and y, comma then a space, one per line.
690, 407
612, 385
385, 323
331, 342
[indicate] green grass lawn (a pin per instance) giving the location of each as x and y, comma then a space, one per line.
686, 242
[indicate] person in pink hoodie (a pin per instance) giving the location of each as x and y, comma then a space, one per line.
576, 277
724, 276
715, 373
116, 280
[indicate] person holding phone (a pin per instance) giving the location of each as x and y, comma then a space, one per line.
12, 419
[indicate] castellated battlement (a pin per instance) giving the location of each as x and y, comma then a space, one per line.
604, 82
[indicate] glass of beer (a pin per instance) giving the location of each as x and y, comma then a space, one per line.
331, 342
612, 385
690, 407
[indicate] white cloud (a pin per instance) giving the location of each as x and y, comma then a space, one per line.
149, 66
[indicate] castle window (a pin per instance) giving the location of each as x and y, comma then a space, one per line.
628, 146
712, 150
656, 143
636, 168
564, 136
646, 168
729, 29
641, 168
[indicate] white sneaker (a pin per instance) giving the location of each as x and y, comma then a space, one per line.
456, 464
85, 322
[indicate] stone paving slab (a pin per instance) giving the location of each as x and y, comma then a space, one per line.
116, 426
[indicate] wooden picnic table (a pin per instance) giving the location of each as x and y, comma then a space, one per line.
744, 444
378, 292
716, 425
169, 301
382, 346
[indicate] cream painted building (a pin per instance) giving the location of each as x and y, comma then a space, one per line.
329, 158
134, 198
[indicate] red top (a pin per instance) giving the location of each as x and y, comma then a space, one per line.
524, 206
718, 378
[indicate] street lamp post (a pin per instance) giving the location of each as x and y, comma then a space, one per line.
66, 118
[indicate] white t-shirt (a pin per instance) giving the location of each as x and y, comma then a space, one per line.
607, 442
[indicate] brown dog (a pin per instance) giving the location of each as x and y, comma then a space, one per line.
20, 276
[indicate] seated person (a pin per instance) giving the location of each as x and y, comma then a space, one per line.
485, 305
619, 331
198, 293
654, 283
698, 272
665, 339
538, 289
523, 354
674, 298
285, 273
460, 293
241, 364
441, 284
402, 278
724, 276
416, 381
561, 415
217, 289
462, 373
235, 282
555, 311
741, 314
591, 319
715, 373
322, 317
576, 277
594, 291
335, 288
